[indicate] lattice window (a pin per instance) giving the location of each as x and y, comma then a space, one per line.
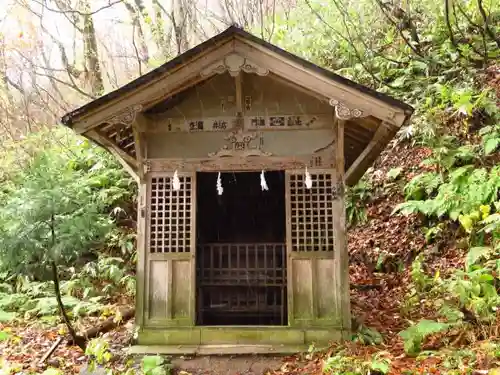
311, 212
170, 216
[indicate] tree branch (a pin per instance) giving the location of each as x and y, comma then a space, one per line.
43, 3
400, 30
350, 42
448, 26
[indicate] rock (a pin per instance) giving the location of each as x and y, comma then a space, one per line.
53, 362
99, 370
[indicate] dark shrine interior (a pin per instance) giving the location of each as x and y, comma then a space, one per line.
241, 256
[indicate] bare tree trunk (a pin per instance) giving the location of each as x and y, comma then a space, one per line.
160, 35
179, 20
91, 53
487, 28
4, 82
135, 15
78, 340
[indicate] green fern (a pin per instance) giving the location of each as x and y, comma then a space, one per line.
414, 336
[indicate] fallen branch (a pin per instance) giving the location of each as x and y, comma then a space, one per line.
105, 326
51, 350
366, 286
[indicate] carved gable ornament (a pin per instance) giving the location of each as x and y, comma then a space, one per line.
233, 64
125, 117
343, 112
239, 145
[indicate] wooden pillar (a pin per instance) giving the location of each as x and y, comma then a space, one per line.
341, 257
138, 127
141, 254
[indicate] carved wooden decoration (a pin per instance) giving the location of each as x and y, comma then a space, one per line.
118, 129
343, 112
170, 215
239, 146
127, 117
311, 211
233, 64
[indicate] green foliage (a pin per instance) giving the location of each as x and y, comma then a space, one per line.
110, 273
476, 253
423, 185
448, 153
475, 291
98, 352
368, 336
56, 217
4, 335
6, 316
33, 299
490, 138
418, 275
59, 198
60, 203
465, 190
356, 200
341, 364
460, 360
414, 336
155, 365
394, 173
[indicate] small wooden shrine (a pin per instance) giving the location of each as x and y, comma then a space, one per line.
241, 151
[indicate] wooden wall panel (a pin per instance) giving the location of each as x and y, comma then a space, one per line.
325, 294
158, 289
302, 290
181, 289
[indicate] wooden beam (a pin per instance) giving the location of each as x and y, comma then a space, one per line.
138, 128
141, 277
354, 170
339, 149
125, 165
239, 93
127, 161
110, 144
341, 258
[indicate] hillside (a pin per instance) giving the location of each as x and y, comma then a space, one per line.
424, 233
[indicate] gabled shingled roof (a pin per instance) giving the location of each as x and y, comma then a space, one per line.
233, 31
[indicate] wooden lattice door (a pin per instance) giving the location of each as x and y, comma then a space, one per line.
170, 250
311, 231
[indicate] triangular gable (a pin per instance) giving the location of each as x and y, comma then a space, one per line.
232, 51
